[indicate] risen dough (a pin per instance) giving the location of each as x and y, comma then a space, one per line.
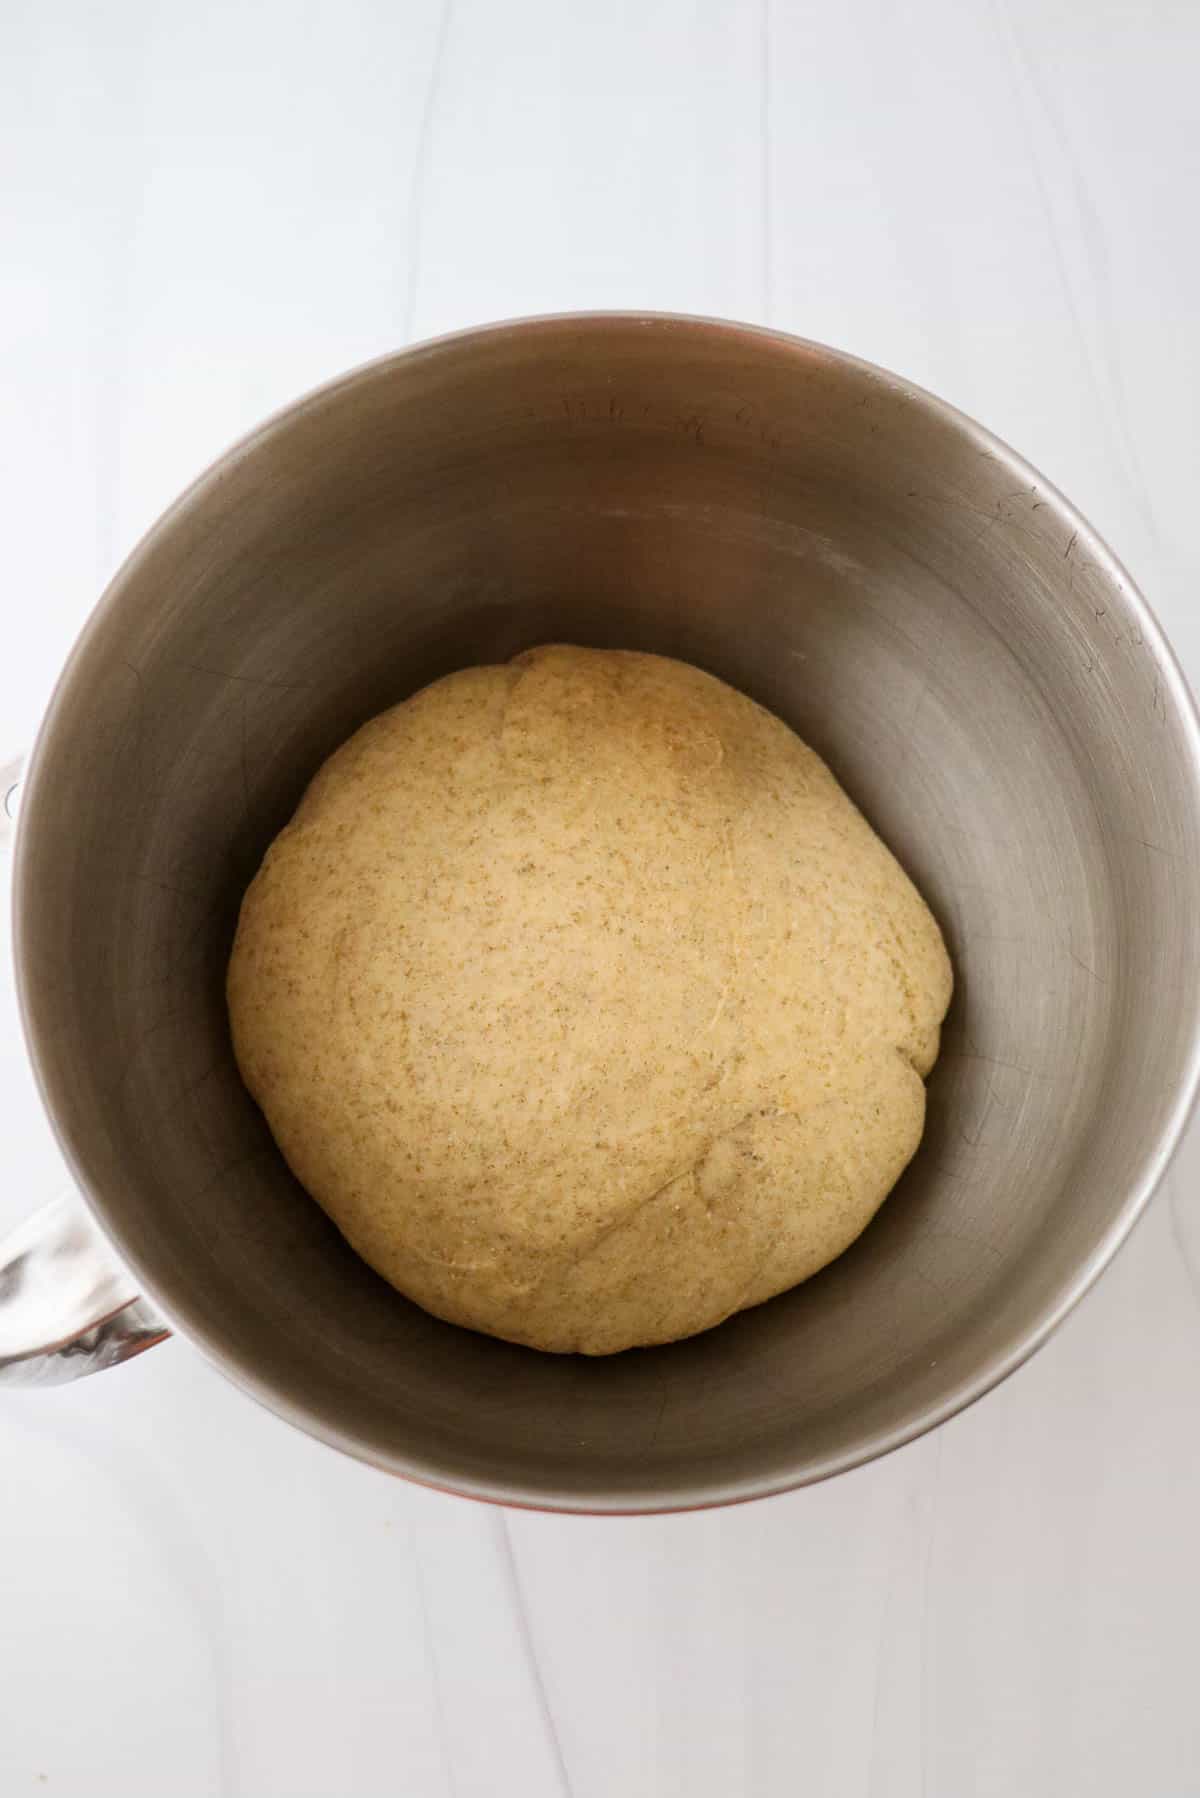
585, 1002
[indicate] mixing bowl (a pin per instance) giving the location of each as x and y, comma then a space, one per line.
913, 598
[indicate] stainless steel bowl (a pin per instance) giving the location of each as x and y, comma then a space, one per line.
918, 602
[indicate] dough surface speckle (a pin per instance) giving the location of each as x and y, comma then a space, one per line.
585, 1002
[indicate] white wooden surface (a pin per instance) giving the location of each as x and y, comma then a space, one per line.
208, 208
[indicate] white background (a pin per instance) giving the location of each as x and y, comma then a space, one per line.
208, 208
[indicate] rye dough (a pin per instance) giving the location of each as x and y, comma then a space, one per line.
585, 1002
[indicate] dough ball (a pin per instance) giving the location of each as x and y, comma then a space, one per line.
585, 1002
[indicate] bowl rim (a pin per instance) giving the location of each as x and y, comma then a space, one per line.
695, 1494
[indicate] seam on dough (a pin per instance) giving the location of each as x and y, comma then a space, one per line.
456, 1267
769, 1247
692, 1171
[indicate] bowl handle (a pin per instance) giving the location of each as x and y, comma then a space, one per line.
67, 1307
